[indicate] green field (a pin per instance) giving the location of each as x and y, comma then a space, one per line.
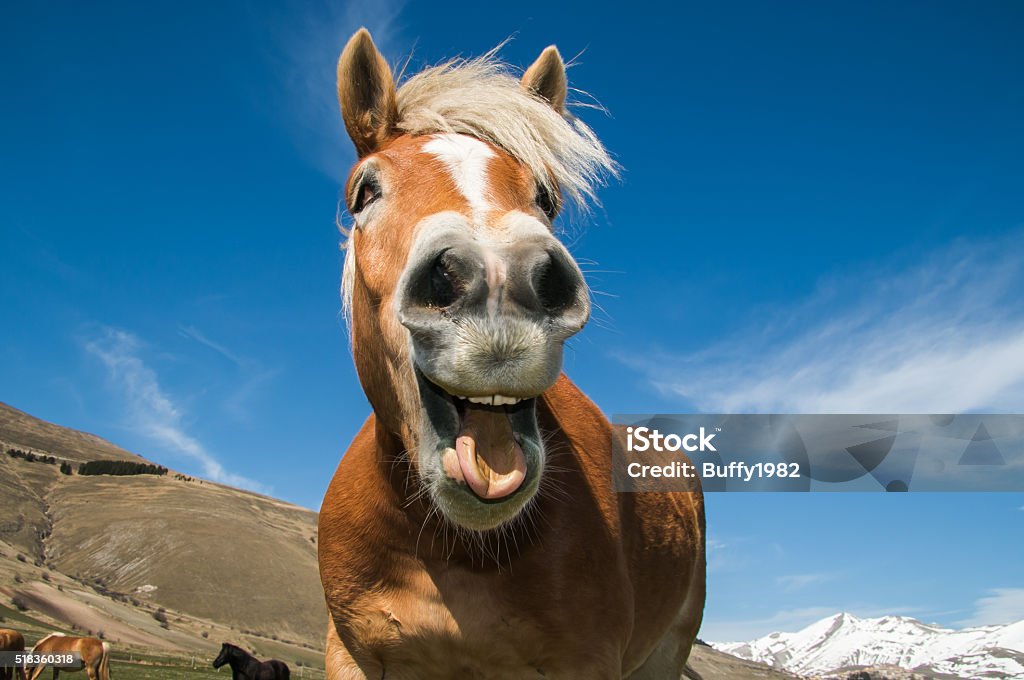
134, 667
125, 666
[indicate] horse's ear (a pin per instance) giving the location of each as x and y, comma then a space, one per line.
366, 92
546, 77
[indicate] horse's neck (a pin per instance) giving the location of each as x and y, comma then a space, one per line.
579, 420
238, 660
48, 641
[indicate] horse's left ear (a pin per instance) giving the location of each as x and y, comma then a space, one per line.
546, 77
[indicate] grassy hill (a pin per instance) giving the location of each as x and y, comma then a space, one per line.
165, 563
166, 567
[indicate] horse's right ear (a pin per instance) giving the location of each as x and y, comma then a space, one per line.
366, 92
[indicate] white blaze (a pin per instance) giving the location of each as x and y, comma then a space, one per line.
466, 159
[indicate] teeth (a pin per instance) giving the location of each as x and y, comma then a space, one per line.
494, 400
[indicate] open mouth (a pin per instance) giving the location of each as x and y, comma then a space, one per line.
487, 456
489, 446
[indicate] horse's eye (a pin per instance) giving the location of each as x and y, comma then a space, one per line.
547, 202
366, 192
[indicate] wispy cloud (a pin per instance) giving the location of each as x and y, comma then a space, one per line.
252, 374
719, 558
193, 333
791, 582
152, 413
943, 335
1001, 605
308, 46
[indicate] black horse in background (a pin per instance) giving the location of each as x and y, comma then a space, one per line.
245, 666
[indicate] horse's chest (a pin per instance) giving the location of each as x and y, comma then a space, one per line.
456, 631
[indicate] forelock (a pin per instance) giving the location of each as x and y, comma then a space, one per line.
482, 98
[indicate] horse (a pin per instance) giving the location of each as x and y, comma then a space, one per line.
471, 528
12, 641
245, 666
95, 654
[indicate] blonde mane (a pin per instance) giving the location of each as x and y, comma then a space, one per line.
51, 635
482, 97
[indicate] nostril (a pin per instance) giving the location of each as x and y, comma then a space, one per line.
557, 284
437, 282
443, 288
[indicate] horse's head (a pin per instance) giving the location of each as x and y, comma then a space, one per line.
224, 656
459, 296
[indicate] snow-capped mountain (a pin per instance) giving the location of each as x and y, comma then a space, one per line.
843, 641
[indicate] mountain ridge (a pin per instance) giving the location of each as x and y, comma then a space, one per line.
844, 642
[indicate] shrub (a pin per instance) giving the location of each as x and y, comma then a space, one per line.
20, 603
31, 457
120, 467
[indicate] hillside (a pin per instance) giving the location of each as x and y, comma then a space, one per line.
110, 552
716, 665
31, 433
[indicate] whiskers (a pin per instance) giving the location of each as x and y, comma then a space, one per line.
498, 547
604, 319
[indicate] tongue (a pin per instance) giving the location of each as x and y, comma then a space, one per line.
491, 461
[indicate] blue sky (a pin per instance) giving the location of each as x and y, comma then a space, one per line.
821, 211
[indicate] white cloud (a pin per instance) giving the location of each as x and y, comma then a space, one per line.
1000, 606
152, 413
945, 335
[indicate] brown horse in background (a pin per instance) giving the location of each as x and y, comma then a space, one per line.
471, 529
95, 654
11, 641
